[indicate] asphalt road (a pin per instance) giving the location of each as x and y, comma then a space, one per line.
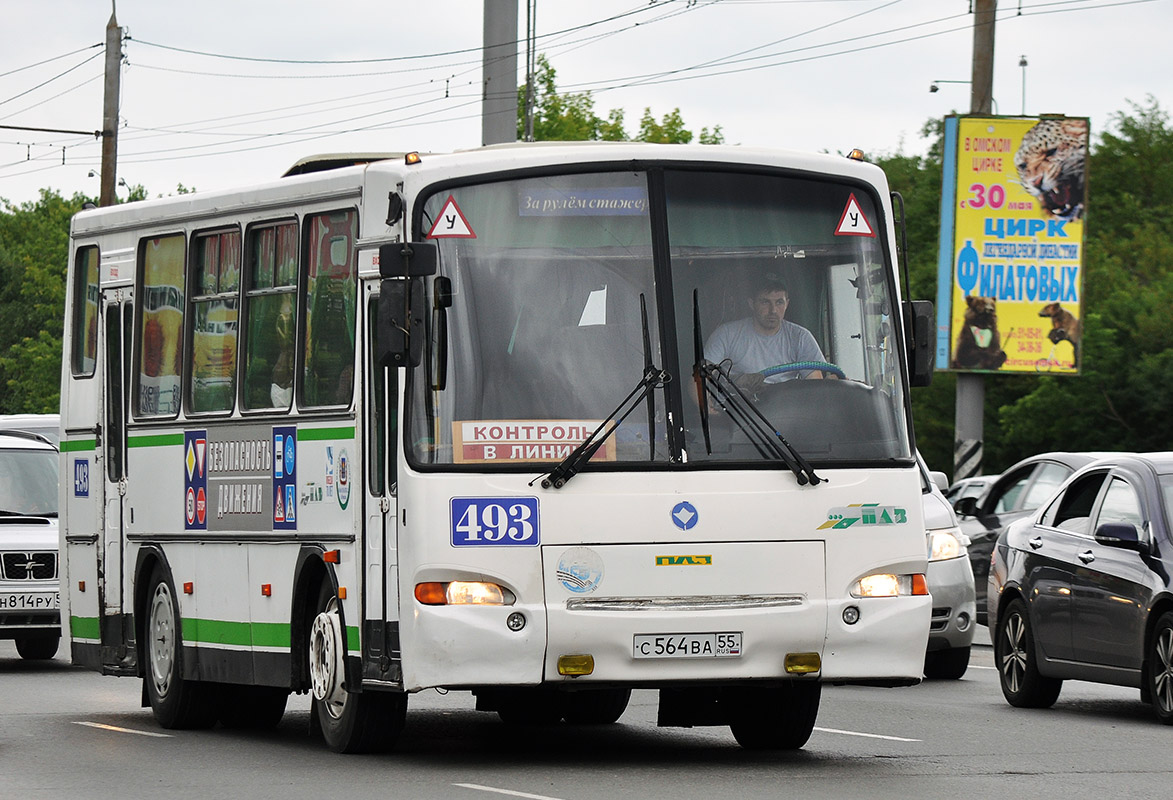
66, 732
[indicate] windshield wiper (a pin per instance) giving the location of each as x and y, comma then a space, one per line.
698, 372
653, 378
711, 382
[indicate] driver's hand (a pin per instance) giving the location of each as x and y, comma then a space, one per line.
750, 382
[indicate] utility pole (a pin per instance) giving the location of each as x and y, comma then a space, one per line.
499, 66
110, 111
968, 430
531, 37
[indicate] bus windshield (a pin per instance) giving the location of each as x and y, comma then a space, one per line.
782, 280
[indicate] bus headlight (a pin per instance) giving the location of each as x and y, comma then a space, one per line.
463, 593
889, 585
945, 544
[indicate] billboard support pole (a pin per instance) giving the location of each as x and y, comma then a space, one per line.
971, 387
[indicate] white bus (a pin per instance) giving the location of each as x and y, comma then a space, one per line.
447, 421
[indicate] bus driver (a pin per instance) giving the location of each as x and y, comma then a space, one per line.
764, 339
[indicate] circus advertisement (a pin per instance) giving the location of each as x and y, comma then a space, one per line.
1010, 270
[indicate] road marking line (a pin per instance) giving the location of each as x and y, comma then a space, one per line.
509, 792
975, 666
867, 735
122, 730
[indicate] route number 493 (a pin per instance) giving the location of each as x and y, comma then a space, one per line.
500, 521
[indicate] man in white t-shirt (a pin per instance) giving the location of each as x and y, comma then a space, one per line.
764, 339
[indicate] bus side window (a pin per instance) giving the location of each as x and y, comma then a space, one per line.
271, 269
84, 346
331, 293
214, 321
162, 305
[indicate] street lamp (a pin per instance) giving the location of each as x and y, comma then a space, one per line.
1022, 63
933, 87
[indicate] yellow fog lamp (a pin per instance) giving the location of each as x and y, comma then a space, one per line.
803, 663
583, 664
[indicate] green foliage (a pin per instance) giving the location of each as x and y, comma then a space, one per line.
571, 117
34, 252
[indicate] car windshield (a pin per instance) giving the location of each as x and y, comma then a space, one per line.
28, 483
553, 278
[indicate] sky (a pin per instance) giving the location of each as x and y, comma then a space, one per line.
222, 93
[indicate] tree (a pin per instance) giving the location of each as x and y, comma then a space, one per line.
571, 117
34, 252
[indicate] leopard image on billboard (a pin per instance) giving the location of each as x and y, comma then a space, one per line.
1010, 269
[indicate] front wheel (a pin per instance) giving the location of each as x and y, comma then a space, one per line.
777, 718
40, 648
595, 706
175, 701
1014, 655
1160, 669
948, 664
351, 722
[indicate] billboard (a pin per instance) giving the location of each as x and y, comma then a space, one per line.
1010, 269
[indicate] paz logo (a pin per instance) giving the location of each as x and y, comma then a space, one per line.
864, 515
684, 561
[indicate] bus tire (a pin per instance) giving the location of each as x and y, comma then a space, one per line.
776, 718
251, 707
38, 648
535, 705
350, 722
595, 706
175, 701
948, 664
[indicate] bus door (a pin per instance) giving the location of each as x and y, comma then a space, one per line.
118, 316
381, 656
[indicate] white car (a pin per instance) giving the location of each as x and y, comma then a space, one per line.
951, 584
29, 590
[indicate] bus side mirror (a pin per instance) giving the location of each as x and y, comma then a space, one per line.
408, 260
441, 302
918, 325
400, 326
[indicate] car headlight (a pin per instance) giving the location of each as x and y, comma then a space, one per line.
946, 544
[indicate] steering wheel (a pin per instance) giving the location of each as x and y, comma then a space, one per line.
802, 366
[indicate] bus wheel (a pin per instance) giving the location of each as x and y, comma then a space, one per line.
176, 703
351, 722
38, 648
777, 718
595, 706
251, 707
534, 705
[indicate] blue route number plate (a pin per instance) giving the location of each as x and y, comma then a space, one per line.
495, 522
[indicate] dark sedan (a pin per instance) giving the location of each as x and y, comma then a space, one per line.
1083, 590
1015, 494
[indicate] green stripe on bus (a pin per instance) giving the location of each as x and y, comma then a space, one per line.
85, 628
155, 440
318, 434
243, 634
246, 634
78, 445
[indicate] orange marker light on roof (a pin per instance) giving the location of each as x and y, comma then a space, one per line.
411, 158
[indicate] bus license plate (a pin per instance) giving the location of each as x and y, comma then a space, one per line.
687, 645
30, 601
